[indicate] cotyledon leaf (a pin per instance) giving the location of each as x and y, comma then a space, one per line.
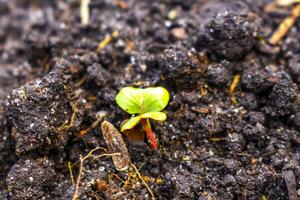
140, 101
132, 122
158, 116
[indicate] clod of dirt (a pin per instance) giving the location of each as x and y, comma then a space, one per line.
4, 8
90, 185
30, 179
218, 74
7, 155
281, 98
37, 110
184, 4
138, 150
99, 75
38, 48
294, 65
256, 82
290, 181
230, 33
249, 100
295, 119
183, 182
211, 8
179, 67
255, 135
254, 117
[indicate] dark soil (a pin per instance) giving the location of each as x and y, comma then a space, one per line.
54, 84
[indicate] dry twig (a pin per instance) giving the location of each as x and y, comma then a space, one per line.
235, 82
85, 12
107, 40
285, 26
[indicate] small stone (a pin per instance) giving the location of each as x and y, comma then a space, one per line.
179, 33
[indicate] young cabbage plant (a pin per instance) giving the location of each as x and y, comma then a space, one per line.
143, 104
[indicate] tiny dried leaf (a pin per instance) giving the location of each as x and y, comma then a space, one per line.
116, 144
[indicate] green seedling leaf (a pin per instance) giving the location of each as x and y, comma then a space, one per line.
132, 122
158, 116
140, 101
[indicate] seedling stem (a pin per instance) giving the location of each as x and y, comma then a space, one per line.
149, 133
143, 105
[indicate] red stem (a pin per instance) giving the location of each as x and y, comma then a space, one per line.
149, 134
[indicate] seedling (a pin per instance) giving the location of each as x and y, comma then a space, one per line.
143, 104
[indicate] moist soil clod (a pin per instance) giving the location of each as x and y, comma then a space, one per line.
63, 62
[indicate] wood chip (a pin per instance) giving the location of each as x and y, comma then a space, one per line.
107, 40
200, 110
122, 4
179, 33
85, 12
116, 144
286, 2
129, 46
235, 82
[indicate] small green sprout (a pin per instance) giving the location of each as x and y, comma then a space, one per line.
143, 104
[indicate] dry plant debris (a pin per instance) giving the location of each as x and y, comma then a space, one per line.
107, 40
76, 194
116, 144
85, 12
232, 88
286, 2
285, 26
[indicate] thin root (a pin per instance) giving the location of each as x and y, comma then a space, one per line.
106, 154
65, 125
118, 177
93, 126
81, 161
71, 173
143, 181
76, 195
